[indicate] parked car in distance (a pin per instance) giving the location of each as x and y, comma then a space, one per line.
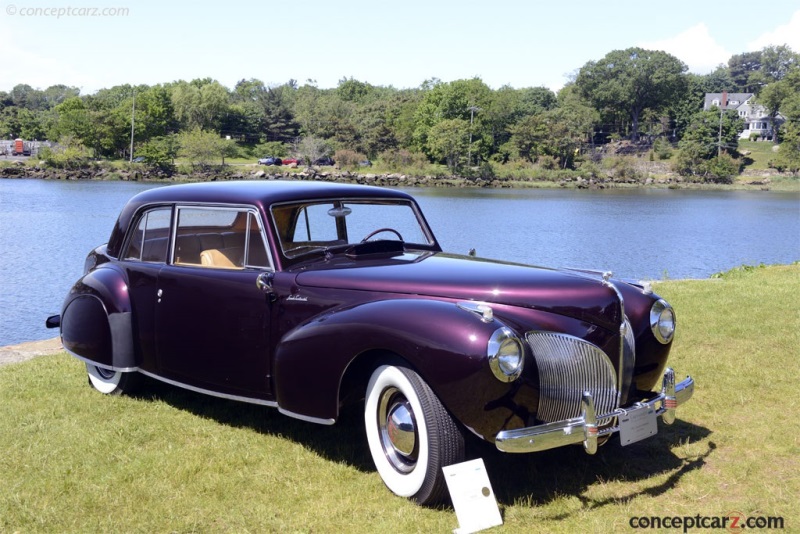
308, 297
270, 161
292, 161
324, 161
365, 163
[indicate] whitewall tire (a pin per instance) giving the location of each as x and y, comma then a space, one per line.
411, 435
111, 382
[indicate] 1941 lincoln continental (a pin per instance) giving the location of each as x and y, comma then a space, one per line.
306, 296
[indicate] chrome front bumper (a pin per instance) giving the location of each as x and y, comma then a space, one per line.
584, 428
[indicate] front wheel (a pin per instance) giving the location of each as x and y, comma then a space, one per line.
112, 382
411, 435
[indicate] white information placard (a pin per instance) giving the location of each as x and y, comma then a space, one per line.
472, 496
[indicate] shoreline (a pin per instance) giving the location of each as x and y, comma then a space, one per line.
754, 181
28, 350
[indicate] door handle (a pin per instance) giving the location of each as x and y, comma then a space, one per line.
264, 282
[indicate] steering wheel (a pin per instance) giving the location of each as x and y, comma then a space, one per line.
379, 230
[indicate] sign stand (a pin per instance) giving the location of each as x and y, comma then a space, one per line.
472, 496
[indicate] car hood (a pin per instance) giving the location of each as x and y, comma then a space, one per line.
440, 275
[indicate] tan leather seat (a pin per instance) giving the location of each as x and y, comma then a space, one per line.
224, 259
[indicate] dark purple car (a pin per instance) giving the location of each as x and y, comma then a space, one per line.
307, 296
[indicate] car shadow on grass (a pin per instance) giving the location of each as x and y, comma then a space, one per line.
343, 442
651, 466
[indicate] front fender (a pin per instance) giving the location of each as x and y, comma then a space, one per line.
96, 320
445, 344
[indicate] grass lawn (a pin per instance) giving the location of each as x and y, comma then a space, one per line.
170, 460
761, 152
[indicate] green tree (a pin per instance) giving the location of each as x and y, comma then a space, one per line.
461, 99
632, 80
788, 158
529, 135
201, 147
160, 152
448, 140
200, 103
709, 135
310, 149
782, 97
73, 120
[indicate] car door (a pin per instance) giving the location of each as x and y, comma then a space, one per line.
142, 258
212, 320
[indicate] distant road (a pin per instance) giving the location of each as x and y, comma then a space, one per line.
14, 158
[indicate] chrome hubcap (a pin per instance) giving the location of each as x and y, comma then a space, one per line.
398, 430
105, 373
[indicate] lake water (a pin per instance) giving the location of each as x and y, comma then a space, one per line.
48, 227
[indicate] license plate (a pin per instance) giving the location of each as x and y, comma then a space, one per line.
637, 424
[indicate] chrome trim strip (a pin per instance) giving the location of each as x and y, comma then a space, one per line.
581, 429
100, 365
622, 330
308, 418
271, 404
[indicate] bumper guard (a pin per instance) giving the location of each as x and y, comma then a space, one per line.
584, 428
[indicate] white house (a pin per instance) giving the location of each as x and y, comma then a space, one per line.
755, 116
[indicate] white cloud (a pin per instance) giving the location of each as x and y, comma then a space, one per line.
788, 34
695, 47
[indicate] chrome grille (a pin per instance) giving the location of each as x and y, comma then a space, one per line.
568, 366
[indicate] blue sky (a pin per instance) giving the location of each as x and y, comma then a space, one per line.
520, 43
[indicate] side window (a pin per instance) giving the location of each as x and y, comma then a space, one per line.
150, 240
220, 238
256, 249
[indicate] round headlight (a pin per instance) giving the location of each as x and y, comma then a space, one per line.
662, 321
506, 355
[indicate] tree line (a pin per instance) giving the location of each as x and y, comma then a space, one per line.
635, 94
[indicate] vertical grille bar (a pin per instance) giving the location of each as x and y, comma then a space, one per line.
568, 366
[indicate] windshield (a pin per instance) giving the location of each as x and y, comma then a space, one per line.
306, 227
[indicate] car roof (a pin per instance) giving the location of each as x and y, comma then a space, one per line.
259, 193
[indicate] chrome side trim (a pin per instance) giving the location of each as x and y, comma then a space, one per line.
584, 427
623, 327
271, 404
100, 365
308, 418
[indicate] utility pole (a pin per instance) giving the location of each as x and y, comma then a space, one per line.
721, 111
133, 116
472, 110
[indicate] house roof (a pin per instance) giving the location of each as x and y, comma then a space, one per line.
741, 98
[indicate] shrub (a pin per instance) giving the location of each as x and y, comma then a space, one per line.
71, 155
548, 162
270, 149
662, 148
348, 158
397, 159
722, 169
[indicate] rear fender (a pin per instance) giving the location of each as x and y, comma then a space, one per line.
96, 321
443, 343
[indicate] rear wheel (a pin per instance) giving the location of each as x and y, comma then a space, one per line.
411, 435
111, 382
